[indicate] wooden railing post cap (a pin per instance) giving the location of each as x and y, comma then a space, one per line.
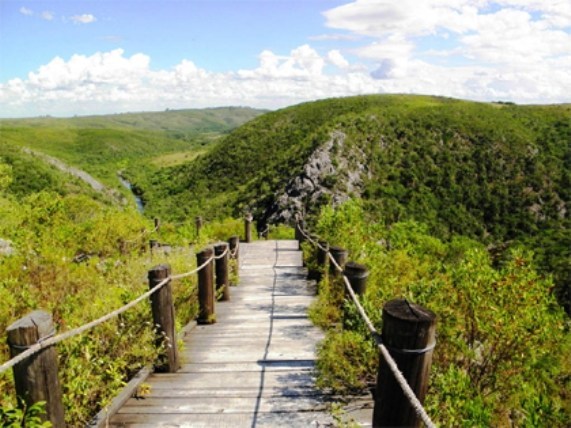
220, 247
160, 271
205, 253
405, 311
38, 319
356, 270
336, 249
249, 217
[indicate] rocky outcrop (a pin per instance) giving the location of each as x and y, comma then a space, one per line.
328, 176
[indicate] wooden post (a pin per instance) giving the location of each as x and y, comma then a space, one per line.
153, 244
157, 225
357, 275
409, 335
234, 242
206, 303
164, 320
234, 247
340, 256
198, 222
248, 228
222, 283
36, 378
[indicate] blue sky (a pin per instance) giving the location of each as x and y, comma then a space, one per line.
71, 57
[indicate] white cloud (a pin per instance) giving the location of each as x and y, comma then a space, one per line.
302, 63
509, 49
335, 58
86, 18
47, 15
107, 82
26, 11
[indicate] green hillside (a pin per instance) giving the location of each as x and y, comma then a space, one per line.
493, 172
103, 145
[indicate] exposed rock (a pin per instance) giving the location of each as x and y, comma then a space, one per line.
6, 248
327, 176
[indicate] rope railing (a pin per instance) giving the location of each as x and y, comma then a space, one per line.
407, 390
23, 334
218, 257
234, 253
79, 330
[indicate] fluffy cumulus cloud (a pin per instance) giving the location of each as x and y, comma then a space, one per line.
112, 81
516, 50
504, 49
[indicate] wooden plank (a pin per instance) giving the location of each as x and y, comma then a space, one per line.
235, 420
191, 405
230, 380
273, 391
249, 366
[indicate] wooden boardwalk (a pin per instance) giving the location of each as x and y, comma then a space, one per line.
255, 366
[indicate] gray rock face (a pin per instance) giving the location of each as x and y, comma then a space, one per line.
327, 177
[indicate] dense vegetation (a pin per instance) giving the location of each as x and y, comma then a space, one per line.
106, 145
67, 253
494, 172
503, 342
74, 252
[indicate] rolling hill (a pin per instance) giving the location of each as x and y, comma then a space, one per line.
499, 173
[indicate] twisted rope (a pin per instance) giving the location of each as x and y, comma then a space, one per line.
77, 331
407, 390
221, 255
235, 252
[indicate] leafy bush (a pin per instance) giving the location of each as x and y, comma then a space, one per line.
503, 342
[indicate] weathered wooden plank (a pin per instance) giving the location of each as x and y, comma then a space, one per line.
249, 366
273, 391
235, 420
231, 380
191, 405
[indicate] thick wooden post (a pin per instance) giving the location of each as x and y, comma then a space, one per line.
248, 228
222, 282
409, 335
164, 320
157, 225
198, 222
206, 299
357, 275
36, 378
234, 247
340, 256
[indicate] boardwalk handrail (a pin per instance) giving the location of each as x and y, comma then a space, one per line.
79, 330
407, 390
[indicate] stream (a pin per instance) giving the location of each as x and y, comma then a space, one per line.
128, 185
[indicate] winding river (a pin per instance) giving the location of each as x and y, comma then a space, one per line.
128, 185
